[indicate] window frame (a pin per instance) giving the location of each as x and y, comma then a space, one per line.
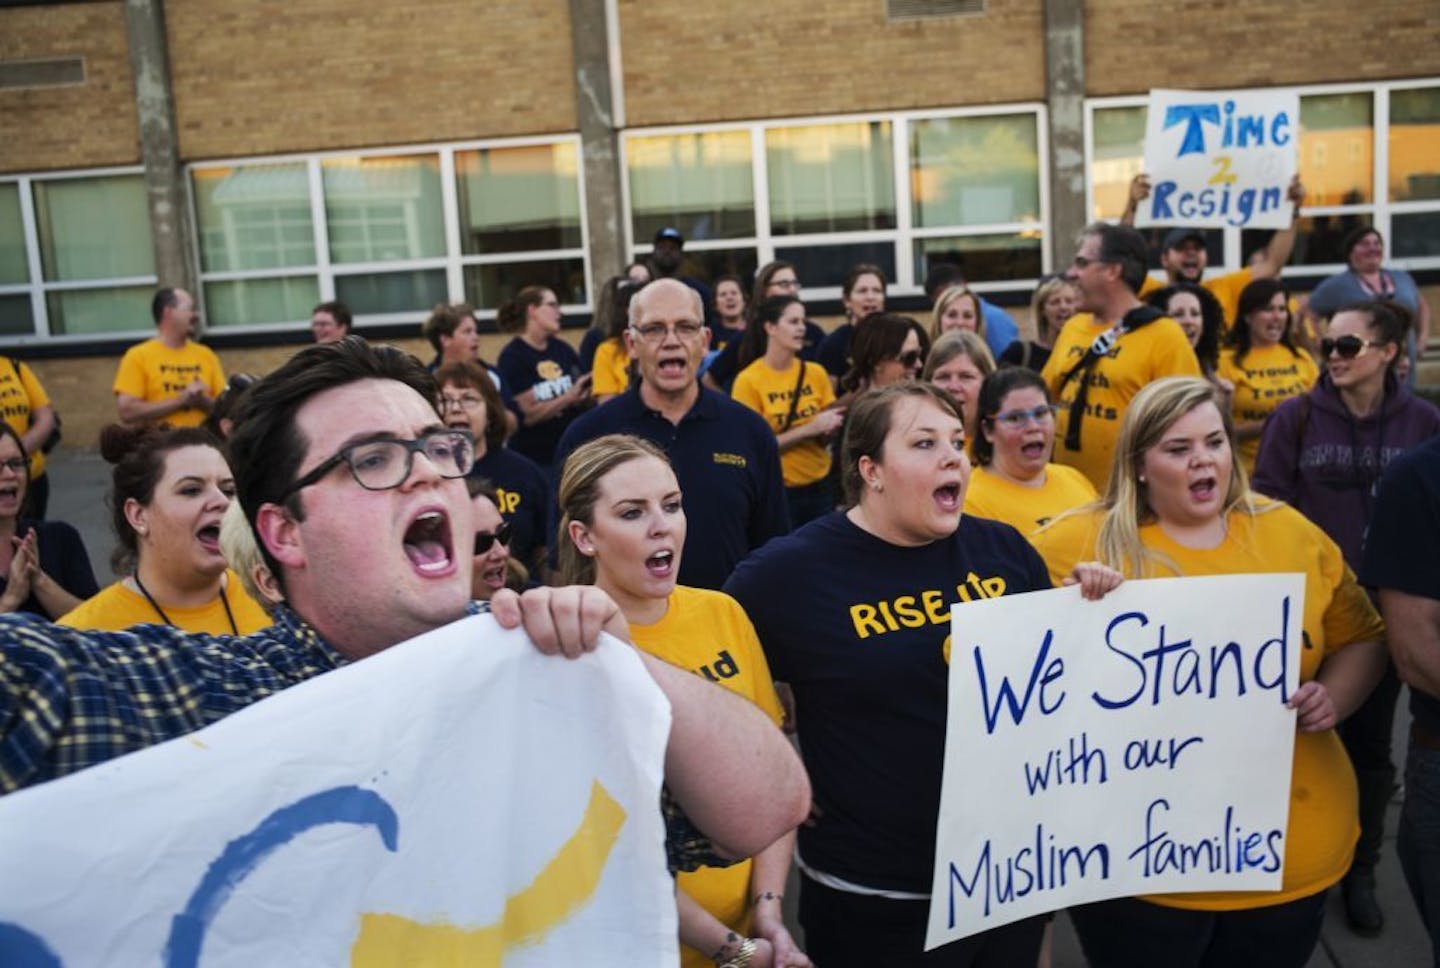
1380, 208
452, 262
903, 236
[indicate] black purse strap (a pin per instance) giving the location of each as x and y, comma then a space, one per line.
795, 397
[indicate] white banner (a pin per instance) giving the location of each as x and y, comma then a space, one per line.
1218, 158
456, 799
1135, 745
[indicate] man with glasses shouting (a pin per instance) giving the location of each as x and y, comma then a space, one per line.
355, 492
724, 455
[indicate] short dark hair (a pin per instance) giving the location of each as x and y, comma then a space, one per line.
1125, 247
8, 431
1357, 235
266, 449
868, 424
1257, 295
443, 320
1212, 319
992, 394
474, 376
164, 299
338, 311
138, 454
942, 276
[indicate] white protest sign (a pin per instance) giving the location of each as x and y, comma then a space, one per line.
1135, 745
1218, 158
456, 799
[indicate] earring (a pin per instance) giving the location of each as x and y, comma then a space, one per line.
1142, 478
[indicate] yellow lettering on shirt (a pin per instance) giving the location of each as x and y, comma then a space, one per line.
927, 607
730, 460
506, 501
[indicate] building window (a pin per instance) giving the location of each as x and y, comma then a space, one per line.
1348, 181
899, 190
390, 233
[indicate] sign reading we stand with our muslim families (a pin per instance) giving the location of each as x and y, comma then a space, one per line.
1218, 158
455, 799
1136, 745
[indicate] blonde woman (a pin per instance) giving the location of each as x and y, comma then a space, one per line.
622, 529
1178, 502
1054, 302
957, 309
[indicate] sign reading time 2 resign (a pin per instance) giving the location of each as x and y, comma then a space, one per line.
1218, 158
1135, 745
456, 799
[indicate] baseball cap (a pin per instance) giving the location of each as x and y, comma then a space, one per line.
671, 233
1177, 237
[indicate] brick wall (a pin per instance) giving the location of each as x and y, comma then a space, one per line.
87, 125
1260, 44
320, 74
730, 60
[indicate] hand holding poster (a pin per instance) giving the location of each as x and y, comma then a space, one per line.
455, 799
1136, 745
1218, 158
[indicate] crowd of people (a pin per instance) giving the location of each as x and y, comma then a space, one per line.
732, 478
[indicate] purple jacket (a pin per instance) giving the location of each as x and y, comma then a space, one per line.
1325, 462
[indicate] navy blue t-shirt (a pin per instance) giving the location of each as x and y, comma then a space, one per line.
62, 557
857, 626
525, 500
728, 466
834, 353
1400, 544
549, 372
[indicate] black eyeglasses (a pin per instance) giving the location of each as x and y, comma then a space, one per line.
484, 540
15, 464
386, 462
1346, 347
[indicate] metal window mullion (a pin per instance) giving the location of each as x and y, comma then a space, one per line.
109, 282
760, 195
319, 229
450, 215
1380, 188
39, 309
1042, 172
904, 214
591, 288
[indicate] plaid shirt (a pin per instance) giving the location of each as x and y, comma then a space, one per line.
71, 699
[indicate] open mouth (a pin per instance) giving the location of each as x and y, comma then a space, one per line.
1204, 490
209, 538
1033, 450
661, 564
673, 367
9, 492
427, 543
493, 577
947, 498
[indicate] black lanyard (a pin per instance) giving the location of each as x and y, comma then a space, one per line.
166, 619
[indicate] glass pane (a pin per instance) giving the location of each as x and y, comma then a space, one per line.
518, 199
12, 237
247, 301
1119, 155
1415, 144
1415, 234
384, 209
1317, 239
488, 286
15, 316
828, 265
255, 217
699, 183
392, 292
1337, 148
831, 178
985, 258
94, 228
100, 310
975, 171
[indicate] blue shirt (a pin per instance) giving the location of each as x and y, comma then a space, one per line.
728, 465
859, 628
1000, 328
550, 373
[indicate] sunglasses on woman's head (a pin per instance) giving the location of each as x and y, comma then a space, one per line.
485, 539
1346, 347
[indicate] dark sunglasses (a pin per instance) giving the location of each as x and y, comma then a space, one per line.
909, 359
484, 539
1346, 347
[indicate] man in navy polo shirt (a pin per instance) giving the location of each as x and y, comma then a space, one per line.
724, 454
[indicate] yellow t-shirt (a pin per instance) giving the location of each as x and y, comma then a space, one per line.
117, 607
1323, 818
152, 371
708, 633
611, 371
768, 393
1156, 350
1264, 379
1226, 289
1027, 508
20, 396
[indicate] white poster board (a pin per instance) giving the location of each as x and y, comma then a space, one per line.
1218, 158
1136, 745
456, 799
